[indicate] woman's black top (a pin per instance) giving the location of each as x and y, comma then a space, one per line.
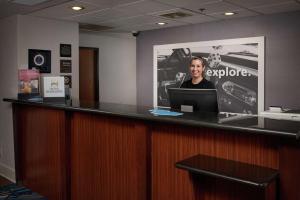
204, 84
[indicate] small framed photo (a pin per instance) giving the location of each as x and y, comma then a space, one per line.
65, 66
65, 50
39, 59
68, 80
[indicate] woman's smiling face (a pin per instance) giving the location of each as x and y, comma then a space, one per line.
196, 68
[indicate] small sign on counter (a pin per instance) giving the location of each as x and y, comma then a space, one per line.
54, 88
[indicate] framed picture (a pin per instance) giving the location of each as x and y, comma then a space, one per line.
39, 59
65, 50
235, 66
68, 80
65, 66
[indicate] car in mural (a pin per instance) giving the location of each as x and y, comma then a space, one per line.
172, 70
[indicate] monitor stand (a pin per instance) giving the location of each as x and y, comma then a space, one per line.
186, 108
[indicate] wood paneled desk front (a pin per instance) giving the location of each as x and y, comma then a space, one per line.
119, 152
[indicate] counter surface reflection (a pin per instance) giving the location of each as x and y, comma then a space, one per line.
245, 123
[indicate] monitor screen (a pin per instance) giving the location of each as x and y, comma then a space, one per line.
201, 99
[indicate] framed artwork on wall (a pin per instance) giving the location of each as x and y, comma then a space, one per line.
65, 66
65, 50
39, 59
68, 80
235, 66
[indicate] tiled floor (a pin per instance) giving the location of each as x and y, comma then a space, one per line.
4, 181
13, 191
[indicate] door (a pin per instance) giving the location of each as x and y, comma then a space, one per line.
88, 74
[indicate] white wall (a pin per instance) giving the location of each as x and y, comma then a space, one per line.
117, 65
17, 35
8, 88
39, 33
282, 40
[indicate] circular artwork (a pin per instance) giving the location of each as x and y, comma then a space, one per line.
39, 60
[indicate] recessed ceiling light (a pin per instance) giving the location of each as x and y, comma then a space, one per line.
161, 23
77, 8
229, 13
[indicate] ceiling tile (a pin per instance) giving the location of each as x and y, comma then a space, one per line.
279, 7
143, 7
255, 3
119, 12
64, 10
7, 8
100, 16
216, 7
145, 13
240, 13
132, 21
197, 18
186, 3
159, 13
151, 26
110, 3
28, 2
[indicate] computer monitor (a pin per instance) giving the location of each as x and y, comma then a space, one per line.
200, 99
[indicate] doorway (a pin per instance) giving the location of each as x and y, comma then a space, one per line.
88, 74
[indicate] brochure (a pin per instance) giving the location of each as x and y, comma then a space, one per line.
29, 82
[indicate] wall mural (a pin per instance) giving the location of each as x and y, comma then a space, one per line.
235, 66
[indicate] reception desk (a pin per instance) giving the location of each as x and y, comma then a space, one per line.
83, 150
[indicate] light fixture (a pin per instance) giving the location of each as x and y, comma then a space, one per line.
77, 8
229, 13
161, 23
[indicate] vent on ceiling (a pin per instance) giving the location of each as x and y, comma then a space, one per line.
176, 15
28, 2
93, 27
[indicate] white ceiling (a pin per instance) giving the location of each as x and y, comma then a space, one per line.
140, 15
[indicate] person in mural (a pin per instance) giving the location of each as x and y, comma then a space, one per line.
197, 71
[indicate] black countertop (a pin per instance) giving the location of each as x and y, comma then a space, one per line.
244, 123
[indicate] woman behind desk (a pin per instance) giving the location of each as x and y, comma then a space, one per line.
197, 67
203, 98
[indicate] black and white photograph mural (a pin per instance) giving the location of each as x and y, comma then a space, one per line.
235, 66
